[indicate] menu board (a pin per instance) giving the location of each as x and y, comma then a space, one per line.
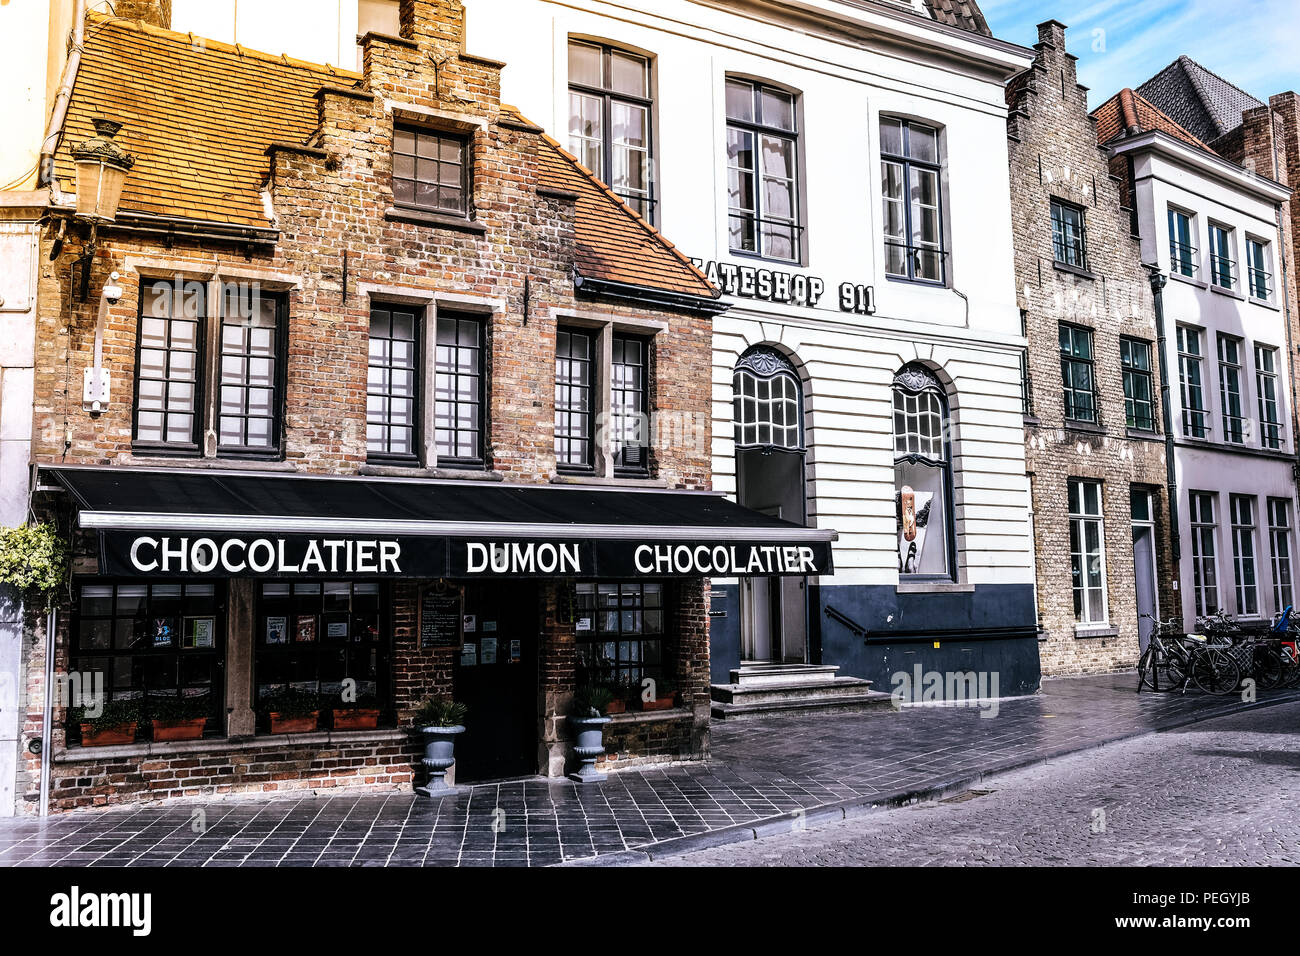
441, 617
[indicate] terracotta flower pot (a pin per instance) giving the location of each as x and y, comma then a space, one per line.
356, 718
294, 725
107, 736
179, 729
616, 707
660, 703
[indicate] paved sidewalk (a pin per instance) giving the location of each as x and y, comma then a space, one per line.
765, 775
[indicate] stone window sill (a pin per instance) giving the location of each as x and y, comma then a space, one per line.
456, 474
215, 745
651, 716
615, 482
1090, 428
1073, 270
1179, 277
1230, 293
438, 220
1083, 633
934, 587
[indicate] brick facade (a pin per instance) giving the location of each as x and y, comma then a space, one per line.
336, 245
1054, 154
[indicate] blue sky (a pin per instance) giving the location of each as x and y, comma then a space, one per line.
1120, 43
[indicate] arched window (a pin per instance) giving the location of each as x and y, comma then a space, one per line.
922, 474
768, 400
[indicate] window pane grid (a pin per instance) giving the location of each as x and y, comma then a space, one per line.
1234, 419
169, 379
1068, 243
574, 410
1182, 252
1190, 386
458, 389
391, 387
767, 410
1279, 536
1139, 392
1087, 557
762, 171
628, 403
250, 370
1243, 554
429, 170
1205, 579
1266, 387
1076, 373
624, 642
1258, 276
910, 190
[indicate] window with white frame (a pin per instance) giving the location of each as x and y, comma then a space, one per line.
1266, 389
911, 189
1234, 418
762, 170
1191, 385
1205, 571
1223, 268
1182, 247
1087, 552
1259, 278
768, 408
1279, 539
1245, 573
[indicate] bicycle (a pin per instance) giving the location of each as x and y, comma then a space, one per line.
1175, 660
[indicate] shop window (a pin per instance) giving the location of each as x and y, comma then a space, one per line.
922, 474
431, 170
575, 355
392, 429
610, 118
459, 391
620, 632
1139, 388
1245, 573
629, 410
312, 636
1205, 569
1279, 537
762, 171
146, 642
911, 189
1087, 551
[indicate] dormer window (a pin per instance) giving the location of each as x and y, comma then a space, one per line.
431, 171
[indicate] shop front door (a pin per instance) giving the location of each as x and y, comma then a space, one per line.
496, 678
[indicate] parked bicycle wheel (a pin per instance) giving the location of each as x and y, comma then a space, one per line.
1215, 672
1157, 671
1267, 667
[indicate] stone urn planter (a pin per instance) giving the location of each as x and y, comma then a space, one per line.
439, 755
588, 744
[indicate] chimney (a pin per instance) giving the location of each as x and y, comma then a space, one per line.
157, 13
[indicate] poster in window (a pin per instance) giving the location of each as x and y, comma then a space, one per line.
488, 654
277, 630
304, 629
441, 616
469, 654
200, 632
336, 630
470, 623
164, 632
515, 654
913, 522
489, 627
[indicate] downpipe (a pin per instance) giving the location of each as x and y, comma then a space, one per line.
51, 623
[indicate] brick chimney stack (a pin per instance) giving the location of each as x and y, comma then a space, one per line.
157, 13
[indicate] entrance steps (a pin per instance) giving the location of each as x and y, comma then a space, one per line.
763, 689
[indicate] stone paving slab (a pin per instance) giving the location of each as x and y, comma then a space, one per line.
766, 775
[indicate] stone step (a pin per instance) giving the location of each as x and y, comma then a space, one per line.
844, 703
772, 674
766, 693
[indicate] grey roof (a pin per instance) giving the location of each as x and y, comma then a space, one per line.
959, 13
1197, 99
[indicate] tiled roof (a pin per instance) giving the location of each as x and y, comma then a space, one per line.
1199, 100
959, 13
614, 243
198, 116
1127, 110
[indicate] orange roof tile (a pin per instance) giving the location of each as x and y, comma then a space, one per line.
1127, 110
198, 116
614, 242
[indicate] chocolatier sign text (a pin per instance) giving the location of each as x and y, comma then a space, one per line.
131, 553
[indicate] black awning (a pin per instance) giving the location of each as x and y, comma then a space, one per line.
184, 523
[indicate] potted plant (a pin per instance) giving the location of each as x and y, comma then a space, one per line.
292, 711
440, 721
179, 718
588, 720
360, 714
621, 691
115, 724
33, 561
665, 696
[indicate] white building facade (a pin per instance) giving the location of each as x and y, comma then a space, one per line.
1212, 228
839, 170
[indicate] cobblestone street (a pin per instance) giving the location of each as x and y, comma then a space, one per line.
1219, 793
761, 772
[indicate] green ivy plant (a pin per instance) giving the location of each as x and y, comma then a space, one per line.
33, 559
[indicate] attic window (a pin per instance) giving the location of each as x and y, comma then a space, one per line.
430, 171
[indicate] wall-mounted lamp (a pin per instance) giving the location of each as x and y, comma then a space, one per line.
102, 167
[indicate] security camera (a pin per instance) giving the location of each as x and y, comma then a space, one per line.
112, 291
